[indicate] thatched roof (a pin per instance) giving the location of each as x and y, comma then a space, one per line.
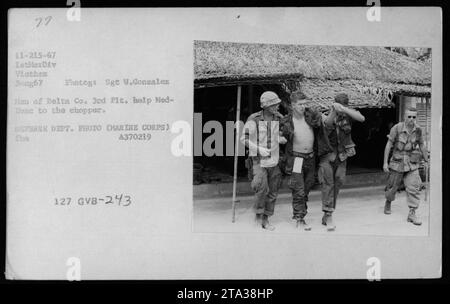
361, 94
324, 67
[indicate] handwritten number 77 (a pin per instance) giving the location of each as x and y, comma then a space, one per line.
43, 21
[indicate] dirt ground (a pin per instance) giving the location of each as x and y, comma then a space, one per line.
359, 211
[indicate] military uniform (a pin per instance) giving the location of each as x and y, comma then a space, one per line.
264, 171
333, 165
404, 163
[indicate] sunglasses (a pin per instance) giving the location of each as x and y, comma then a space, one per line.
411, 116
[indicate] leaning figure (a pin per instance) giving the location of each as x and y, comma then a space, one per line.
335, 146
301, 127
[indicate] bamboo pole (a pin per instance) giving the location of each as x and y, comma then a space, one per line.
236, 151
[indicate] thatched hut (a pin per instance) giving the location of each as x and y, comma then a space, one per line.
321, 71
378, 81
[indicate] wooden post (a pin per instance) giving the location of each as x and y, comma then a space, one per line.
236, 150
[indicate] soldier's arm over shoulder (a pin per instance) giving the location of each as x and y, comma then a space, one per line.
284, 126
326, 122
316, 117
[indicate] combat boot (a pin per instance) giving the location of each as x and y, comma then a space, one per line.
324, 219
413, 218
327, 220
302, 224
265, 223
387, 207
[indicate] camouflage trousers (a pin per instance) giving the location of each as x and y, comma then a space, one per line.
412, 182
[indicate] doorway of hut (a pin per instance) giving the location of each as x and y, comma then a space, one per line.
219, 104
370, 138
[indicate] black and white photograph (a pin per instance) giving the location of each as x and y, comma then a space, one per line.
353, 142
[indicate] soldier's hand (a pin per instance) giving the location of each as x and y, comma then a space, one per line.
264, 152
385, 167
338, 107
282, 140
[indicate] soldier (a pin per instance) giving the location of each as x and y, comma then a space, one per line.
300, 128
336, 146
261, 136
407, 141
